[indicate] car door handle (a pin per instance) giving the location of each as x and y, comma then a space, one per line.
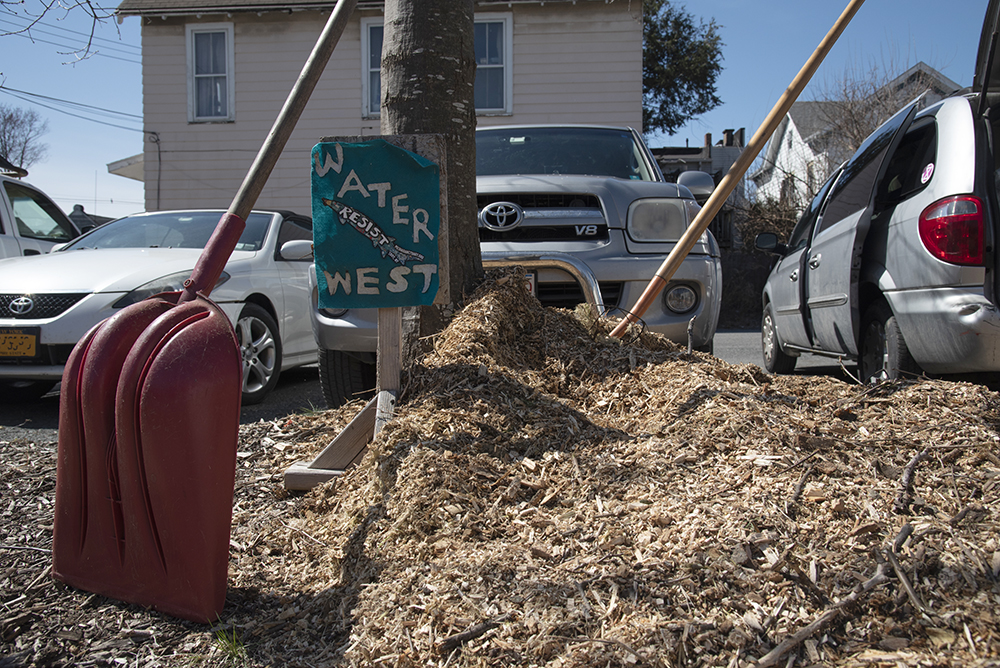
794, 276
814, 260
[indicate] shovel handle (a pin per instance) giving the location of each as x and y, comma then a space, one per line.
213, 259
208, 268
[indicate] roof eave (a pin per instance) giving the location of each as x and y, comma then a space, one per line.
285, 7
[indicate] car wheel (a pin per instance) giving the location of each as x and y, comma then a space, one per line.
706, 348
344, 376
775, 360
260, 345
884, 355
24, 390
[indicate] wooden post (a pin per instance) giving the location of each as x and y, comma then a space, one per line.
390, 364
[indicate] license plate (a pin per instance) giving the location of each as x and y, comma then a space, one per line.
529, 283
18, 342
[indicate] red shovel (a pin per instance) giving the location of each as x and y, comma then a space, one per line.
149, 419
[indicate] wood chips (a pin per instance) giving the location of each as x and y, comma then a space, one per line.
547, 496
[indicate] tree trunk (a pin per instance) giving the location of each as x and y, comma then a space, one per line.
428, 76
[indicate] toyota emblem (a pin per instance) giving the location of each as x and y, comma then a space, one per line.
501, 216
21, 305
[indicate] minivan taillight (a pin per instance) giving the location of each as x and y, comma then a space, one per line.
952, 229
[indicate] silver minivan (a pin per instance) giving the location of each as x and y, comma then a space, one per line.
894, 263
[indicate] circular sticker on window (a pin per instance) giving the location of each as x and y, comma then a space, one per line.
925, 176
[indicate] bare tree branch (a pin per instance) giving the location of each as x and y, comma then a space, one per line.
58, 10
20, 135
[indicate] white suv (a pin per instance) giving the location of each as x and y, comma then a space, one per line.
30, 223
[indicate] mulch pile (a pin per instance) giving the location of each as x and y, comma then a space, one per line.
549, 496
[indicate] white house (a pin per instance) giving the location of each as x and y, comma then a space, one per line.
803, 150
216, 72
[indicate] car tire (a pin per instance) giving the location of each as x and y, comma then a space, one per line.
24, 390
260, 346
883, 351
775, 359
344, 376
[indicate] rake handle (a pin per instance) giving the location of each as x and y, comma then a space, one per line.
736, 172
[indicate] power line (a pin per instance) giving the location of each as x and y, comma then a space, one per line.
97, 49
73, 49
33, 98
90, 37
71, 103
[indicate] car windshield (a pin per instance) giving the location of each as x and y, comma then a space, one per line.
568, 150
170, 229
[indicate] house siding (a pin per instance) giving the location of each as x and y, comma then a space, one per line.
578, 63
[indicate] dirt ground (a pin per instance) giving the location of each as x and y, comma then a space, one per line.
549, 496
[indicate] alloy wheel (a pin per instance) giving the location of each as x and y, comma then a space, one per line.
259, 351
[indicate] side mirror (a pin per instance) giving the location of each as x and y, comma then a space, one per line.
297, 249
768, 241
700, 184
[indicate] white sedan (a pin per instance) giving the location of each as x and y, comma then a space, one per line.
49, 302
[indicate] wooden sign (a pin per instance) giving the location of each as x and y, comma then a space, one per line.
376, 225
380, 240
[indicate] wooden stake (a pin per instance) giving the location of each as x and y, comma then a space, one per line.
390, 363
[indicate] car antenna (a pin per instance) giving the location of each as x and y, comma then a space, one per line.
986, 74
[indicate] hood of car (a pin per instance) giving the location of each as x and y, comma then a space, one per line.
106, 270
988, 74
570, 183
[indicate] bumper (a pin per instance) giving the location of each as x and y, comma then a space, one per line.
949, 330
356, 330
57, 336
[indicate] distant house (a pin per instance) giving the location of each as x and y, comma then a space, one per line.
804, 148
216, 72
715, 160
84, 221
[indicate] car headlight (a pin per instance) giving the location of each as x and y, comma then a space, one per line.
656, 220
680, 298
170, 283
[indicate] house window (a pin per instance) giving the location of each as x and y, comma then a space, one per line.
492, 54
493, 45
210, 72
371, 30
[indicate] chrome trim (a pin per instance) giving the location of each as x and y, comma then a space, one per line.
568, 263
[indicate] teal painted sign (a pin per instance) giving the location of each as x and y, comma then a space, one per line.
376, 219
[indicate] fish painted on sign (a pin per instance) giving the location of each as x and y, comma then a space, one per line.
369, 228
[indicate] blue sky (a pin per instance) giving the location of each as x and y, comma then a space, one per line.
79, 150
766, 43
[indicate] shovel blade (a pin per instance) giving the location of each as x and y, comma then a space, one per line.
149, 421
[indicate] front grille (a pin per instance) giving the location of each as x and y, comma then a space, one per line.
574, 217
568, 295
548, 233
543, 200
45, 306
